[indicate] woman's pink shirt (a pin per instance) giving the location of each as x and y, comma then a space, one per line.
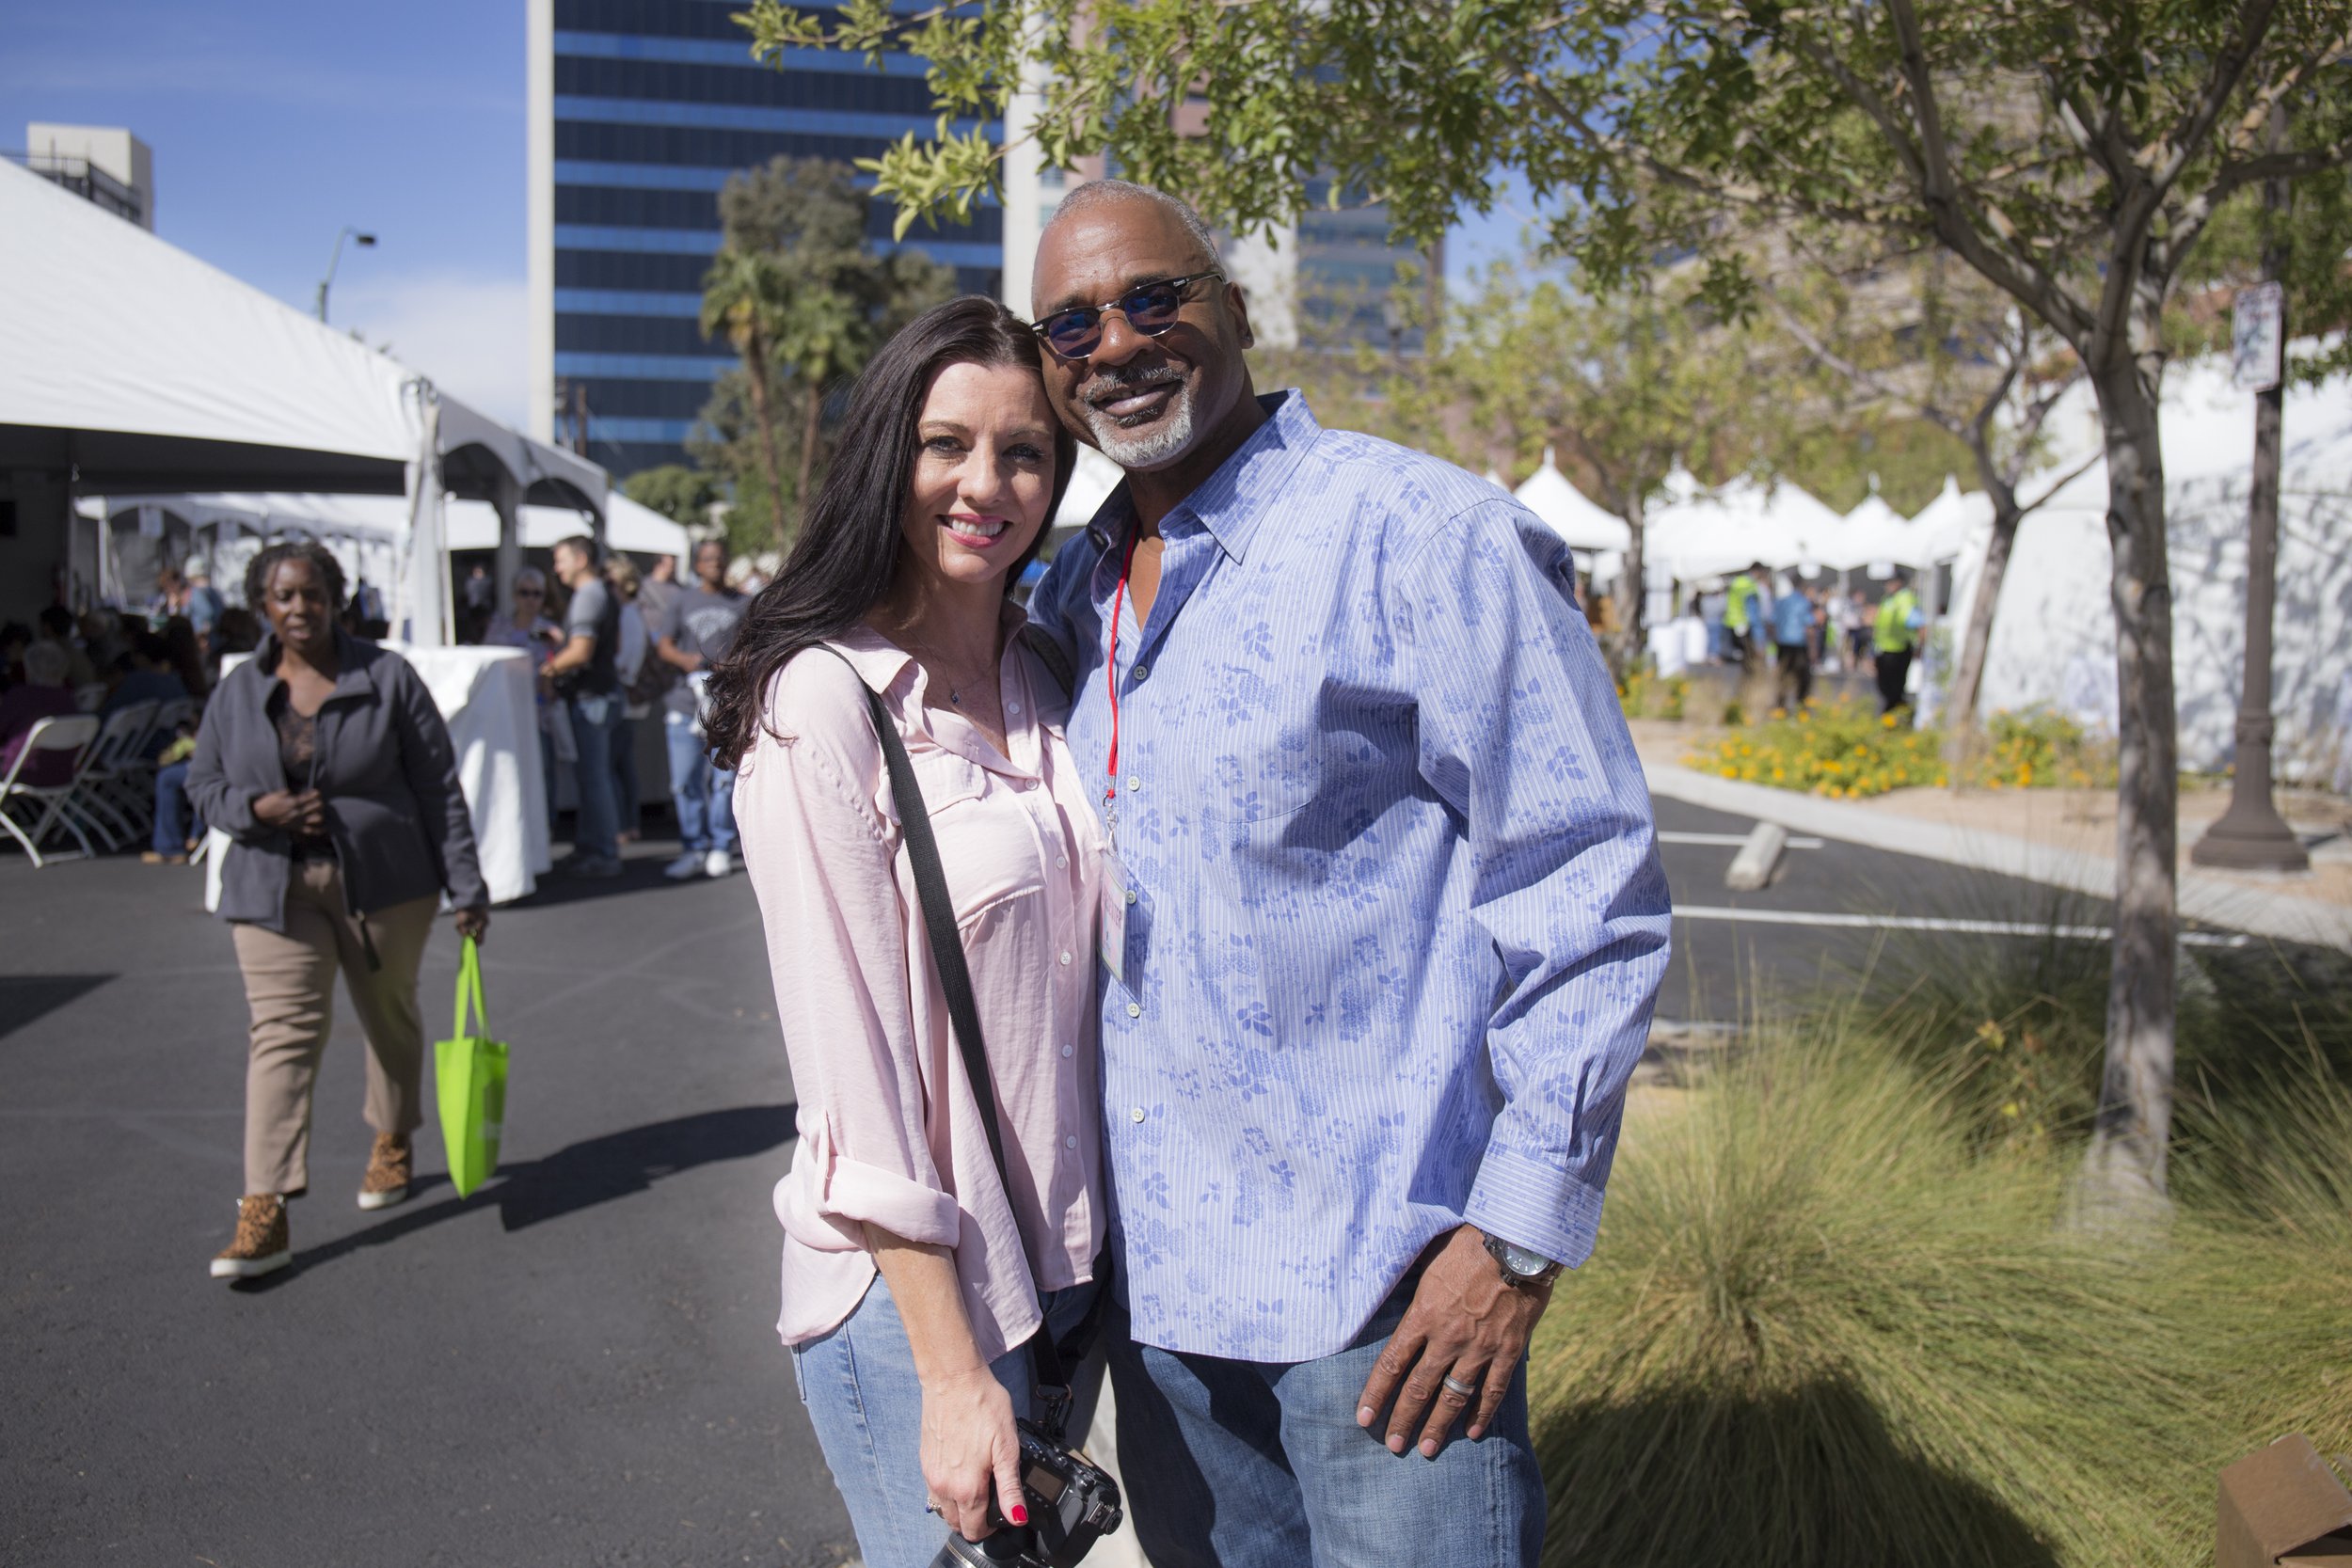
889, 1133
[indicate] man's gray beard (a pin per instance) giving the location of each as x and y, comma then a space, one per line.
1171, 435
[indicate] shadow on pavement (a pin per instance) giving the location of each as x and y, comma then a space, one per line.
26, 997
641, 874
580, 1176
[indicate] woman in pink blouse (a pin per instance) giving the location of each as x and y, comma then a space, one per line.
912, 1278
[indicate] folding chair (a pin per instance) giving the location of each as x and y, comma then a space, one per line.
104, 766
50, 735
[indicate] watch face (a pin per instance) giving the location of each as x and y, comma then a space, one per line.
1523, 1262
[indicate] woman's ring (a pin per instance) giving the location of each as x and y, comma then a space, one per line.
1454, 1384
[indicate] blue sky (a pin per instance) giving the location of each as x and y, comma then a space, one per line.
273, 124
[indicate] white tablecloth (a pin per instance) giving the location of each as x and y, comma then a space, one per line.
486, 697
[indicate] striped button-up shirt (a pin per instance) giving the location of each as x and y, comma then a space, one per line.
1397, 920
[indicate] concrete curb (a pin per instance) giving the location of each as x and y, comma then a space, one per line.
2260, 910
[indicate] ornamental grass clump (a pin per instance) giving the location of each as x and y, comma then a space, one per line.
1826, 1328
1841, 749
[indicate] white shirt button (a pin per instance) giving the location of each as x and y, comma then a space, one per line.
1071, 1142
1131, 895
1012, 707
1133, 783
1136, 1115
1061, 862
1135, 1009
1065, 958
1065, 1050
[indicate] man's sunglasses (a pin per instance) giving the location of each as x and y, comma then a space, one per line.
1151, 309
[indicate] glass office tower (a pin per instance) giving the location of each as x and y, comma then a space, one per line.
640, 110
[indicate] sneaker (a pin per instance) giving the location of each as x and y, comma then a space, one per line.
718, 864
591, 868
386, 1181
687, 865
261, 1245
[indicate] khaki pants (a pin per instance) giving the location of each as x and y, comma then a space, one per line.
290, 988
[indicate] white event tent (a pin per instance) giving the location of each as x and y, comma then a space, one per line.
133, 367
1694, 532
1585, 524
2054, 630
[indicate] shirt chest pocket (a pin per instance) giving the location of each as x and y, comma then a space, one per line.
988, 847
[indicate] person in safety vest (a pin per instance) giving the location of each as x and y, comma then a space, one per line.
1894, 637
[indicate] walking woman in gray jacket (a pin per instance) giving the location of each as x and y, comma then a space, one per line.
325, 760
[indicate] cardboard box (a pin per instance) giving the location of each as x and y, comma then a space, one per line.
2284, 1508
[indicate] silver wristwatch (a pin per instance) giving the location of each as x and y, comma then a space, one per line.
1522, 1270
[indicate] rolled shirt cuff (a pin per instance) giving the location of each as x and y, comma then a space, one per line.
1534, 1204
907, 1209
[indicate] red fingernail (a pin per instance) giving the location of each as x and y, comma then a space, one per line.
1020, 1514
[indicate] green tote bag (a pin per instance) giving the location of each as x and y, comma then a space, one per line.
470, 1073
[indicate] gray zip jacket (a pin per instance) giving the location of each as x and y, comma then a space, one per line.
394, 813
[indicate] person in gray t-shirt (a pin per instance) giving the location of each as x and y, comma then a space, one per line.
586, 675
694, 635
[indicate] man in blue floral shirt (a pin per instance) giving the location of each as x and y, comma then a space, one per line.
1383, 927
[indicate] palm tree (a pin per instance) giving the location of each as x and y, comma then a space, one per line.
749, 299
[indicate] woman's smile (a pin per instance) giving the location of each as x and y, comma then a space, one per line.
972, 531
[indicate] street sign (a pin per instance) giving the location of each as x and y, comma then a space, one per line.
2256, 336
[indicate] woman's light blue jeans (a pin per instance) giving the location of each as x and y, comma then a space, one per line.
867, 1405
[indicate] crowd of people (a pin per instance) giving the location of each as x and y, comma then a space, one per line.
620, 646
1808, 629
105, 660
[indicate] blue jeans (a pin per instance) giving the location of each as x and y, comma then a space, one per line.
1260, 1464
594, 721
867, 1405
627, 807
176, 821
703, 791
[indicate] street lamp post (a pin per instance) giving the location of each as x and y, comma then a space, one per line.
2251, 835
334, 259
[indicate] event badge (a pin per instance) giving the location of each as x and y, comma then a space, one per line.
1112, 926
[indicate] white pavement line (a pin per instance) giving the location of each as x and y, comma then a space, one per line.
1931, 923
1728, 841
2263, 910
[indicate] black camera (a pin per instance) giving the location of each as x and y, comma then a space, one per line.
1072, 1503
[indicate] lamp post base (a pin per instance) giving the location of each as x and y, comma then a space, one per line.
2250, 836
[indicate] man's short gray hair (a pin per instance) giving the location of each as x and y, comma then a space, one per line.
1101, 193
44, 663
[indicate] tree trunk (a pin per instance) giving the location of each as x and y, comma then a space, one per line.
2123, 1173
1960, 714
1632, 592
815, 396
763, 409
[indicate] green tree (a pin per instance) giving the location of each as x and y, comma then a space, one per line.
683, 495
2072, 155
1955, 353
803, 300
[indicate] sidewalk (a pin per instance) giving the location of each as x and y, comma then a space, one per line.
2062, 838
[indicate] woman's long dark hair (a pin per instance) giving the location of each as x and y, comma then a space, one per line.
846, 556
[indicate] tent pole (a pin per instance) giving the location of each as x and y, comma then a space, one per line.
508, 500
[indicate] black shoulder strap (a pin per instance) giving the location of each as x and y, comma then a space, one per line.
1049, 652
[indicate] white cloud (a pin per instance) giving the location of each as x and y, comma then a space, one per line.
469, 333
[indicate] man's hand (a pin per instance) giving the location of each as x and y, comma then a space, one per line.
1464, 1323
473, 921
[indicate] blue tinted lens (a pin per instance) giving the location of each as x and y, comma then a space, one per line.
1075, 332
1153, 307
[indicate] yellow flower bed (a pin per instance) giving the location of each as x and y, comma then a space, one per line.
1845, 751
1842, 751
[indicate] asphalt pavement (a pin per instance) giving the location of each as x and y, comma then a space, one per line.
576, 1366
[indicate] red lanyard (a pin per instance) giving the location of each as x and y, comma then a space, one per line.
1110, 670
